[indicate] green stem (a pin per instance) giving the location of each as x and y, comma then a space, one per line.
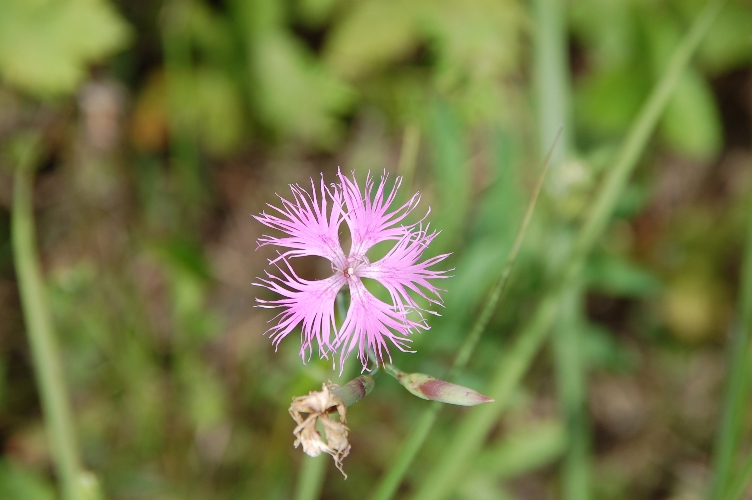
44, 349
736, 397
391, 480
570, 377
312, 472
471, 341
472, 431
551, 70
553, 96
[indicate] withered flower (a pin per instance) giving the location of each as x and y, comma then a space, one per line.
319, 405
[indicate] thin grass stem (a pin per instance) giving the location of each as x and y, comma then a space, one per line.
736, 397
570, 377
392, 479
553, 98
44, 349
472, 431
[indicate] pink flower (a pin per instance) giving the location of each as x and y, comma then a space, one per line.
310, 223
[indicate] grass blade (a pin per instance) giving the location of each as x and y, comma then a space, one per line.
570, 377
44, 350
736, 397
472, 431
392, 479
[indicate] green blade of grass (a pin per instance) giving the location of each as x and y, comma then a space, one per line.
570, 377
553, 98
551, 70
472, 431
736, 397
44, 350
393, 477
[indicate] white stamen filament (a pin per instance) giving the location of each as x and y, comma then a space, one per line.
350, 271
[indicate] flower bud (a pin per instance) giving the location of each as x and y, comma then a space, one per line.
428, 387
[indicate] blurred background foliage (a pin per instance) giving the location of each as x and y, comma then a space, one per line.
166, 124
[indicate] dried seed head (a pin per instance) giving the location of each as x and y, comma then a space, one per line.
318, 405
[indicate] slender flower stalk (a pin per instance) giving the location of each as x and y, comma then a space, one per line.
310, 224
58, 416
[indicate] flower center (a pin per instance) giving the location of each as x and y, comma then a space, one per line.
349, 267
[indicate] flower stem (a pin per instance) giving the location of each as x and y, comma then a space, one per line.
44, 348
313, 470
312, 473
472, 431
392, 479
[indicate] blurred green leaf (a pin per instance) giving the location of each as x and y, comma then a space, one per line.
296, 94
524, 450
217, 110
314, 12
609, 99
372, 34
451, 171
474, 38
204, 392
211, 33
600, 349
617, 276
26, 484
728, 44
46, 45
692, 125
607, 29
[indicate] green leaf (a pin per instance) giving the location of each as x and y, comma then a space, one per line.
524, 449
728, 43
16, 482
296, 94
46, 45
618, 276
215, 106
372, 34
608, 101
475, 38
691, 124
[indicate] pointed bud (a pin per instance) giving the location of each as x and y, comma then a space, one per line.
427, 387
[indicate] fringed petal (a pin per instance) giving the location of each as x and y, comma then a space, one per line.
310, 230
400, 272
306, 303
370, 323
368, 215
